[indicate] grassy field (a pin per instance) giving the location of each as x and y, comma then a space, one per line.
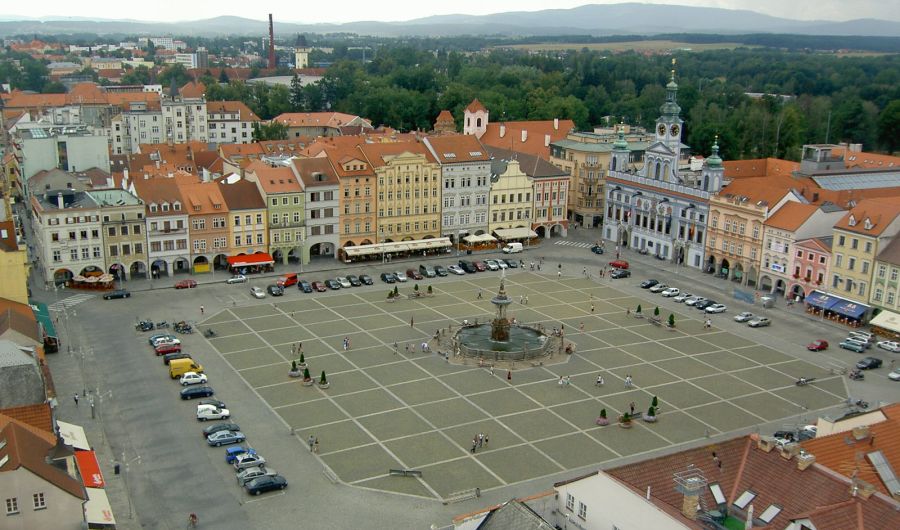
640, 46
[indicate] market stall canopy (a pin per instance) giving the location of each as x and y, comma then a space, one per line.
397, 246
97, 510
89, 469
887, 320
821, 300
248, 260
479, 238
73, 435
847, 308
514, 233
42, 314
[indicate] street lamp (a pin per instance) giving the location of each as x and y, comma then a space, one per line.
137, 460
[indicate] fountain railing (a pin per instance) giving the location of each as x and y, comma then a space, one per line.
545, 348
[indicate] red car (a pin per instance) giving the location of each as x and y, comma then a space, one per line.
319, 287
414, 274
479, 266
817, 345
163, 349
186, 284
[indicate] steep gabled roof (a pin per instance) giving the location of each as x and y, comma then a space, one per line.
457, 148
26, 448
274, 179
791, 216
538, 135
870, 217
241, 195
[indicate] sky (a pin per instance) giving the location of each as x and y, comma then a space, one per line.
338, 11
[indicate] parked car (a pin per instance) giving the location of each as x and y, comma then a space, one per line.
161, 337
658, 288
366, 279
167, 342
344, 282
817, 345
213, 402
304, 286
118, 293
502, 264
248, 460
414, 274
237, 278
246, 475
619, 264
194, 392
216, 427
218, 439
388, 277
185, 284
869, 363
491, 264
257, 292
165, 348
692, 301
759, 322
597, 249
427, 271
620, 273
744, 316
670, 292
889, 345
646, 284
895, 375
456, 269
717, 308
206, 414
852, 345
865, 344
232, 453
275, 290
467, 266
513, 264
169, 357
334, 285
401, 277
681, 297
354, 280
266, 483
440, 270
319, 287
479, 266
703, 304
193, 378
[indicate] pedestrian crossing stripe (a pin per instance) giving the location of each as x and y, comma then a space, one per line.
575, 244
70, 301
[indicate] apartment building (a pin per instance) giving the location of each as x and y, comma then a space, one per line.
321, 189
510, 200
124, 233
886, 280
358, 207
167, 224
230, 122
466, 184
208, 228
285, 202
247, 216
811, 259
69, 239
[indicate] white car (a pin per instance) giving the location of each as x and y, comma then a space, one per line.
237, 278
456, 269
257, 292
895, 375
717, 308
401, 276
670, 292
682, 297
743, 316
246, 475
247, 460
694, 299
759, 322
192, 378
658, 288
502, 264
166, 341
212, 413
344, 281
492, 264
889, 345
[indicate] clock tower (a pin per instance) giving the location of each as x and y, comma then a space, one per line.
661, 159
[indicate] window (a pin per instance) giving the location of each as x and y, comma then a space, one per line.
39, 502
865, 267
890, 298
770, 513
854, 243
112, 231
582, 510
717, 493
868, 247
838, 260
12, 506
894, 273
570, 501
841, 241
745, 499
878, 295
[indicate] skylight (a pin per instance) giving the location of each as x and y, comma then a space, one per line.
474, 153
449, 155
717, 493
770, 513
745, 499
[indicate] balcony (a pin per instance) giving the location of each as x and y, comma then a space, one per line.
168, 231
291, 224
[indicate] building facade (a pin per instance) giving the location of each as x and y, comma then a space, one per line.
886, 280
167, 221
358, 207
124, 233
321, 190
69, 235
208, 224
511, 204
285, 202
247, 216
465, 184
230, 122
811, 259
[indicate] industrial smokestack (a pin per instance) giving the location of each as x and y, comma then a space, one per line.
271, 43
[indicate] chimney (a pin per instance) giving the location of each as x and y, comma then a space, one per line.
524, 135
205, 175
546, 140
59, 201
502, 130
109, 182
157, 164
689, 505
804, 460
125, 174
861, 432
555, 124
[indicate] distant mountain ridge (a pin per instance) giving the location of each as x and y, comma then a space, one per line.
592, 19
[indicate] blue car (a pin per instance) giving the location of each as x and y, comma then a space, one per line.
232, 453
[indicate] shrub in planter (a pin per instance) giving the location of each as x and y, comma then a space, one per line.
323, 382
656, 311
294, 371
602, 420
430, 290
625, 420
671, 320
396, 291
302, 362
637, 311
650, 417
654, 402
416, 288
307, 380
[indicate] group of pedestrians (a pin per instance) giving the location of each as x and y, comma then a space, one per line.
478, 441
346, 343
313, 442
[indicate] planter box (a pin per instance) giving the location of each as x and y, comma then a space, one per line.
307, 382
625, 425
650, 419
326, 385
295, 374
602, 421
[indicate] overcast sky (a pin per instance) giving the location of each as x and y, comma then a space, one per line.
391, 10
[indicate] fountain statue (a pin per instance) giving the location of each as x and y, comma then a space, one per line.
500, 325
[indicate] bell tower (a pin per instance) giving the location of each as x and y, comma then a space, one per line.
661, 160
621, 154
713, 171
475, 119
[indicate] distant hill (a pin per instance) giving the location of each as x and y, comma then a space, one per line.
593, 19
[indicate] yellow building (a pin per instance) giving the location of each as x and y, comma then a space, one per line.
409, 191
14, 265
859, 237
886, 280
247, 217
510, 199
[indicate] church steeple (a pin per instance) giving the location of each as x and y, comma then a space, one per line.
621, 154
670, 108
713, 172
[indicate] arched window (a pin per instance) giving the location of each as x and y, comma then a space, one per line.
706, 183
666, 171
656, 174
478, 122
612, 165
468, 122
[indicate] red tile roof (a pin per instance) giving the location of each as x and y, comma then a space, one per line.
878, 212
38, 416
791, 216
476, 106
769, 189
228, 107
862, 159
759, 167
536, 135
193, 90
456, 148
26, 447
380, 155
316, 119
274, 179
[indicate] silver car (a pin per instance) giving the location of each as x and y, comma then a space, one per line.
247, 460
693, 300
257, 292
246, 475
237, 278
758, 322
491, 264
344, 281
890, 345
682, 297
743, 317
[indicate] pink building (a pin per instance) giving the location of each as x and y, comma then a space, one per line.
809, 265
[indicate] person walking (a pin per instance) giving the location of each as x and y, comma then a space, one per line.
316, 446
474, 444
311, 441
480, 294
411, 321
628, 382
631, 408
76, 399
558, 274
509, 375
592, 308
202, 310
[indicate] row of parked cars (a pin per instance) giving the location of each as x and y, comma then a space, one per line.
249, 466
461, 268
702, 303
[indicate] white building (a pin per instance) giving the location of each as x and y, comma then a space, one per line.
68, 148
174, 119
230, 122
321, 186
466, 184
68, 234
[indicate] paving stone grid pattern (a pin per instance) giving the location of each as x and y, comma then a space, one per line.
387, 410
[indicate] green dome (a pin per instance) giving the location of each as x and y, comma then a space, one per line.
714, 160
621, 144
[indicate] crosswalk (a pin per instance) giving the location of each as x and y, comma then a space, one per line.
575, 244
70, 301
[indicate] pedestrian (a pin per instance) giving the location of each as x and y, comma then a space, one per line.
480, 294
492, 369
560, 382
76, 399
311, 441
522, 299
627, 311
396, 350
592, 308
486, 440
599, 380
474, 444
627, 381
316, 446
410, 321
584, 271
631, 407
480, 440
526, 299
202, 310
509, 375
424, 347
581, 325
558, 274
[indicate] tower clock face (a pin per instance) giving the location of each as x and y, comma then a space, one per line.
661, 129
674, 130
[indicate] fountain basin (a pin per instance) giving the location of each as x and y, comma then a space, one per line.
524, 342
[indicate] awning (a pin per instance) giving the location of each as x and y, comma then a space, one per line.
887, 320
480, 238
514, 233
397, 246
821, 300
89, 469
97, 510
73, 435
850, 309
250, 259
42, 314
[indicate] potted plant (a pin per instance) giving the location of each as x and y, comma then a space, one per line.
323, 382
654, 402
294, 371
656, 312
390, 297
302, 362
307, 380
650, 417
637, 312
430, 291
625, 420
602, 420
671, 321
396, 291
416, 289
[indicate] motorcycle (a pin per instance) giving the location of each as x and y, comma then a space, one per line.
162, 325
803, 381
856, 375
144, 325
183, 327
859, 403
643, 252
209, 332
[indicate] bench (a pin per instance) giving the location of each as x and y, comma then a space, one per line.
405, 472
463, 495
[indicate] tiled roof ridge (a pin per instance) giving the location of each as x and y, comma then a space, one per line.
740, 472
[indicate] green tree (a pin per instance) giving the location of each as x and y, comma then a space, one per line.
889, 126
173, 71
137, 76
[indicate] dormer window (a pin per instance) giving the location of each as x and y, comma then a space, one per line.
176, 206
153, 208
745, 499
851, 221
867, 224
165, 207
197, 208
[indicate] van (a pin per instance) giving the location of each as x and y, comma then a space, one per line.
619, 264
862, 336
288, 279
427, 271
512, 248
179, 367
